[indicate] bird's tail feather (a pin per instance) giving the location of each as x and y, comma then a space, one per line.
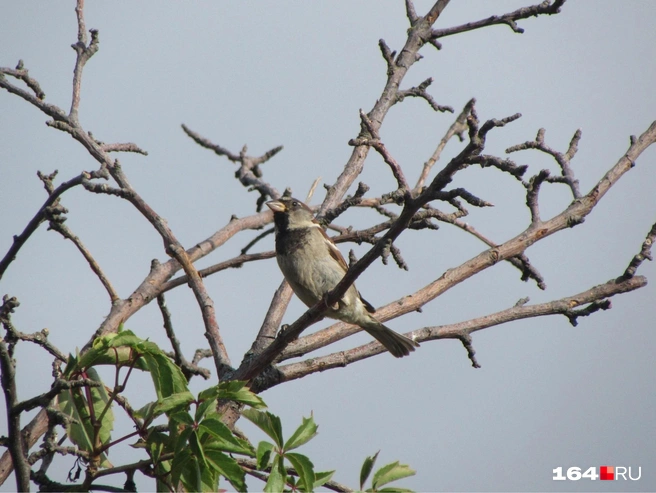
397, 344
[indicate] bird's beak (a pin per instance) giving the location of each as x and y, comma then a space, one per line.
276, 206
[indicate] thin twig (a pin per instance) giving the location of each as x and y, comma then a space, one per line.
644, 254
8, 382
84, 53
532, 192
508, 19
248, 173
563, 159
418, 35
457, 128
58, 225
34, 223
188, 369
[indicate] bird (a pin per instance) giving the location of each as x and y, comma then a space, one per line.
313, 265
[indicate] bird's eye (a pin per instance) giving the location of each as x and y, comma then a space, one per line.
294, 204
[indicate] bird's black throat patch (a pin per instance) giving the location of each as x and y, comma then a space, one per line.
289, 240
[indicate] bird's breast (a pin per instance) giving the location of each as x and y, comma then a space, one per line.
290, 241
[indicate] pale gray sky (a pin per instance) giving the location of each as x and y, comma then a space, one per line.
296, 73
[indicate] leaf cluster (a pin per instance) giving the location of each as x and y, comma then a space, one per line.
194, 448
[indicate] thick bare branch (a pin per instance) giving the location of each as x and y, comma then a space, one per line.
277, 309
460, 331
153, 284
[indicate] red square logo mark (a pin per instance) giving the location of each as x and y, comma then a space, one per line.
607, 473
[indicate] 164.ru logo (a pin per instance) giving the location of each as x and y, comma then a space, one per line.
606, 473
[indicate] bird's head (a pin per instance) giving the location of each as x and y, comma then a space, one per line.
291, 213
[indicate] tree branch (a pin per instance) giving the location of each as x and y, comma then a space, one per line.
8, 381
188, 369
563, 159
574, 214
84, 53
458, 127
459, 330
36, 221
57, 224
420, 92
248, 173
509, 19
418, 35
645, 253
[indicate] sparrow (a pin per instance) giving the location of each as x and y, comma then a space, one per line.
313, 265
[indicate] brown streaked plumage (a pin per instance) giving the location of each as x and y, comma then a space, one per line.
313, 265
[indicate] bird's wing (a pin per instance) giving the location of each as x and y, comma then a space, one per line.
337, 255
333, 250
368, 306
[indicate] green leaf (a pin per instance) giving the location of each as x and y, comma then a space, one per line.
304, 468
156, 444
209, 478
146, 412
267, 422
263, 455
321, 478
160, 482
180, 464
303, 434
101, 355
167, 377
125, 338
166, 404
228, 468
236, 390
181, 440
367, 466
202, 408
391, 472
181, 418
209, 394
122, 349
277, 477
110, 349
73, 403
191, 476
223, 439
197, 448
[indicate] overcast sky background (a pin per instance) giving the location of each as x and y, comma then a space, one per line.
296, 73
